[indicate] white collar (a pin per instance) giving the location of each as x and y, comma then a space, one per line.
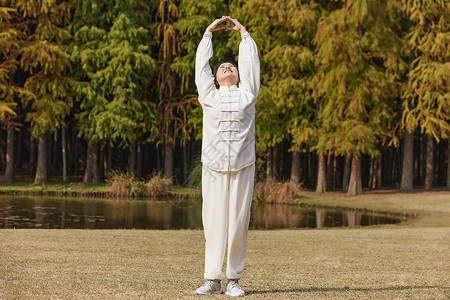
226, 88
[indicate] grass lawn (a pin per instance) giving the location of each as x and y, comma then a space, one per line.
411, 260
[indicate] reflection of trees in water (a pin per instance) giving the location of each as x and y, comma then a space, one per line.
119, 214
194, 215
277, 216
352, 218
320, 217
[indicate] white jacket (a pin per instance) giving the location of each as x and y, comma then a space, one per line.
228, 113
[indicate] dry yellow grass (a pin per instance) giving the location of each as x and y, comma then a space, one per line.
409, 261
287, 264
272, 191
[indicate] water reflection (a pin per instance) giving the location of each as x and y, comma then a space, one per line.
37, 212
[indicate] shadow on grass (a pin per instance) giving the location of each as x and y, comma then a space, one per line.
347, 289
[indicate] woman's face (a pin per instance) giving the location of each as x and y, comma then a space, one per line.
227, 74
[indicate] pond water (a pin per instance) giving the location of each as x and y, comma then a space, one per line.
41, 212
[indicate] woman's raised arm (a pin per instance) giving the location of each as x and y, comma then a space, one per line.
204, 78
248, 61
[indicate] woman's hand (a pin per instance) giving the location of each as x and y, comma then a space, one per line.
214, 26
236, 25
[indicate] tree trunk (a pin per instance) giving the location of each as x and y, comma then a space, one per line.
132, 158
101, 165
275, 161
32, 160
168, 161
448, 166
185, 162
158, 158
54, 158
330, 173
355, 184
91, 171
41, 169
19, 156
64, 153
408, 163
295, 169
376, 168
168, 156
429, 165
139, 160
321, 175
9, 172
109, 162
269, 163
49, 156
440, 163
374, 171
346, 176
75, 155
378, 173
371, 173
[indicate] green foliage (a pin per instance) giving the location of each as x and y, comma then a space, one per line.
426, 95
334, 76
9, 45
194, 178
43, 57
114, 103
283, 31
355, 80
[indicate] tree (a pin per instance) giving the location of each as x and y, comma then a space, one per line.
179, 28
43, 57
114, 101
357, 51
9, 44
426, 95
284, 110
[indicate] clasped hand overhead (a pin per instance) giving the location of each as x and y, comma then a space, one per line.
216, 25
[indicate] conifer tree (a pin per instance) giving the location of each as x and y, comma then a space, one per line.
43, 58
116, 69
426, 95
186, 113
174, 73
284, 108
357, 51
9, 45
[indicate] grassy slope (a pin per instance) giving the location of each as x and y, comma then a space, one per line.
431, 207
381, 262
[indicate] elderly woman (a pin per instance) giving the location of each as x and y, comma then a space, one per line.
228, 155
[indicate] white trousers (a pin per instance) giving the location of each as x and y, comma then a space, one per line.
227, 198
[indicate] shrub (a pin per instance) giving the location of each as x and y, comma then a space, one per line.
122, 184
157, 186
272, 191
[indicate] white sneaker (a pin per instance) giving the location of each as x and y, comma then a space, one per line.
233, 289
209, 287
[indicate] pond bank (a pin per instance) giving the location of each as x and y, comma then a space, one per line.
88, 190
431, 208
425, 208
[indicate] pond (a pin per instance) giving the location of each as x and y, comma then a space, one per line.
46, 212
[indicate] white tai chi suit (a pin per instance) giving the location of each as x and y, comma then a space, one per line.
228, 157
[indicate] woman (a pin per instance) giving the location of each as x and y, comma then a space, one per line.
228, 155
